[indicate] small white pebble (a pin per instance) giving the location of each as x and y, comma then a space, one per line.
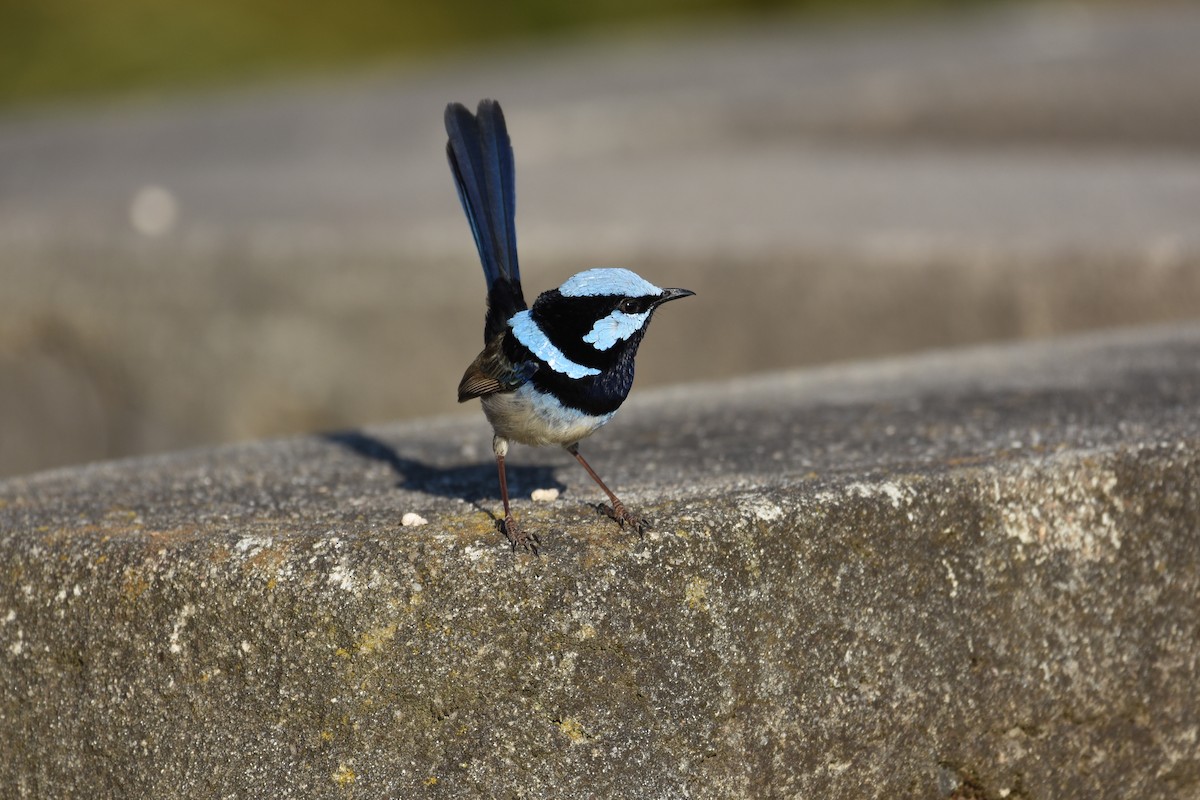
544, 495
410, 519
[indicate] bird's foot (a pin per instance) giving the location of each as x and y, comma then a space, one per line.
528, 542
626, 518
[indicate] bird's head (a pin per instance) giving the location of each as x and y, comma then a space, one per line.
598, 317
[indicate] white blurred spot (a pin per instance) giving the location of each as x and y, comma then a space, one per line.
544, 495
410, 519
154, 211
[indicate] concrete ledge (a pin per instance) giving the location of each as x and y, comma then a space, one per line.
971, 575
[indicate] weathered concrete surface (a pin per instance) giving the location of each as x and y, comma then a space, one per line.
971, 575
847, 191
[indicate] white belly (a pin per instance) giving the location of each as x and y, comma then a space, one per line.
531, 417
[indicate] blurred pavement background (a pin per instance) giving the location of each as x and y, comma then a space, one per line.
208, 266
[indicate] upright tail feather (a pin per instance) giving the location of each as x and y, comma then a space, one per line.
481, 159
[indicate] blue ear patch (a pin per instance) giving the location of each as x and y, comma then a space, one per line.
608, 281
615, 327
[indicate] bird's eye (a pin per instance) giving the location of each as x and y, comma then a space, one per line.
630, 306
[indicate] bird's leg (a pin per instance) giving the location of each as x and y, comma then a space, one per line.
623, 516
509, 526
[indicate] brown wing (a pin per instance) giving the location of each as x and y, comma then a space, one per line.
475, 383
492, 372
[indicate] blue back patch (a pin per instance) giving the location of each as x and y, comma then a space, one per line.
529, 334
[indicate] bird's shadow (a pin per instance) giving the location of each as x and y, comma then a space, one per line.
473, 483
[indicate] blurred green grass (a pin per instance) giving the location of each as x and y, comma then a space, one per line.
54, 49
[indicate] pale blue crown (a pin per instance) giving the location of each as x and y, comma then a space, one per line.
608, 281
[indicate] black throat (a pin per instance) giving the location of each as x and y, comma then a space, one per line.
565, 321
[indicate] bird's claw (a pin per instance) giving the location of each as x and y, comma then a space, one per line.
528, 542
626, 518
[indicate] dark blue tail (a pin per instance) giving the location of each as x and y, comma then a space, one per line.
481, 159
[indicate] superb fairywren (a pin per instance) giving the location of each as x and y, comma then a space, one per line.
554, 373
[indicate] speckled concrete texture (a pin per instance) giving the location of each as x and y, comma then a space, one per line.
971, 574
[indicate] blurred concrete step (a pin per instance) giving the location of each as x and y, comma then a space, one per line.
1047, 126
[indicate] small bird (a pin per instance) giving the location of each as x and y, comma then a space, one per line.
554, 373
